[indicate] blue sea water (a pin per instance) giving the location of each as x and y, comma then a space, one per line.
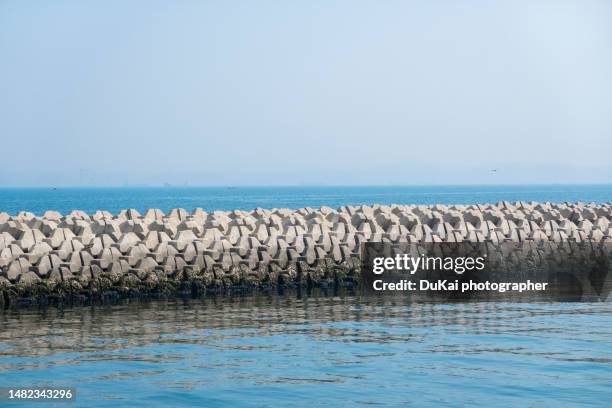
315, 351
38, 200
262, 351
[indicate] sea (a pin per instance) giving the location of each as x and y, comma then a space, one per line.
326, 348
64, 200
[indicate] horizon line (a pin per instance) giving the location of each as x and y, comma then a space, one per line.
230, 186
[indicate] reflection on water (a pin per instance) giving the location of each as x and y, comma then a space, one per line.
339, 351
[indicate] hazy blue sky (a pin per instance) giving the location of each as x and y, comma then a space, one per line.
305, 92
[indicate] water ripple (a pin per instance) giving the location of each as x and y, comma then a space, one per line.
336, 351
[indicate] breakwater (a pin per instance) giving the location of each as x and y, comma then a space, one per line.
80, 255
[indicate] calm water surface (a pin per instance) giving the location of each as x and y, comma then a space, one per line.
38, 200
336, 351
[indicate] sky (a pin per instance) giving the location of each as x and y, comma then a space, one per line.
114, 93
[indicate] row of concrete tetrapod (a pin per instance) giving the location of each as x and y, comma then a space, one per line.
79, 252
